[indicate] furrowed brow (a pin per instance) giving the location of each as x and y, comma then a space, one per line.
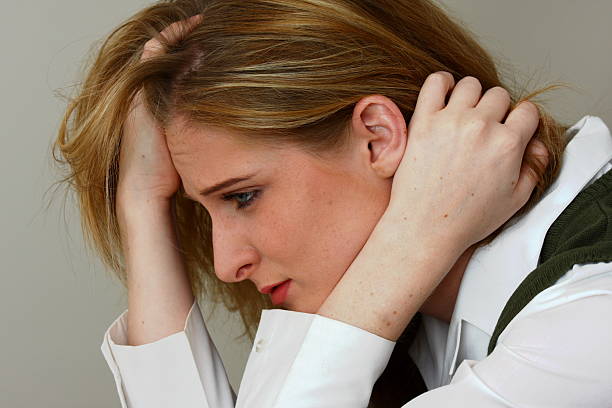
222, 185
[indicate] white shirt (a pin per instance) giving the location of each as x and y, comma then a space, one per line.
555, 353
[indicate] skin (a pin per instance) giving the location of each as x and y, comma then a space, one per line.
406, 233
312, 217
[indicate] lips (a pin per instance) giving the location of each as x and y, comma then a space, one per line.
268, 289
279, 293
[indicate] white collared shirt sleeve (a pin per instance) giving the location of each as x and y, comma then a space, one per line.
181, 370
297, 360
308, 360
555, 353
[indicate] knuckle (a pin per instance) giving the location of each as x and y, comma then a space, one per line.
511, 143
152, 42
471, 80
176, 26
172, 27
173, 32
528, 108
477, 125
441, 76
153, 45
502, 92
526, 113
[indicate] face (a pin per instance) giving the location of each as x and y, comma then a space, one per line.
297, 218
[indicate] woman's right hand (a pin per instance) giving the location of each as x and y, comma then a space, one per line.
146, 171
159, 289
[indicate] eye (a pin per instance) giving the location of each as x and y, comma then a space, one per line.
252, 196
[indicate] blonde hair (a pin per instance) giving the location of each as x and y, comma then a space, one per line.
276, 71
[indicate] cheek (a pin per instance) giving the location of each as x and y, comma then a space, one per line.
324, 247
293, 228
322, 231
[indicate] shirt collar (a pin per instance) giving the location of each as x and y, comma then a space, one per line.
495, 270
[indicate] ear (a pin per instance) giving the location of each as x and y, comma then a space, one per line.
379, 128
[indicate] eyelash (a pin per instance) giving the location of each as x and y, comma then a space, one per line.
242, 205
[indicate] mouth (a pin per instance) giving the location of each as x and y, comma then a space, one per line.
279, 292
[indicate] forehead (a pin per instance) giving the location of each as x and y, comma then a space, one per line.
204, 155
209, 153
206, 142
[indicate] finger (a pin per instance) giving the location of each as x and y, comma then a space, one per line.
466, 93
171, 35
494, 103
528, 178
432, 96
539, 153
177, 30
523, 120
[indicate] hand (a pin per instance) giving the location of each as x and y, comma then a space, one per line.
462, 175
460, 178
146, 171
159, 288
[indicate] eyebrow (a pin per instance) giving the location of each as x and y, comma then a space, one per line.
222, 185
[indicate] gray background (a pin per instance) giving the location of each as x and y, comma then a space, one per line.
57, 300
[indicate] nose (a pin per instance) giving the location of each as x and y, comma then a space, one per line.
234, 258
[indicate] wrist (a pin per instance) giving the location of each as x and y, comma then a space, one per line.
135, 215
430, 240
130, 204
126, 193
396, 271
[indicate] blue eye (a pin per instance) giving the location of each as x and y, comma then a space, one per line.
242, 203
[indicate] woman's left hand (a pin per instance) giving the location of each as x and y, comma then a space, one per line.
462, 174
460, 178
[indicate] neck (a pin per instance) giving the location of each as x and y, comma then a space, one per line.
441, 303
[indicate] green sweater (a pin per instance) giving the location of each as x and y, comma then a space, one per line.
582, 234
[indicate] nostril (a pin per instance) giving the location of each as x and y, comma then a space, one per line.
242, 271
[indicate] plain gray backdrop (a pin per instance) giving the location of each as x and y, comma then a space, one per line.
57, 299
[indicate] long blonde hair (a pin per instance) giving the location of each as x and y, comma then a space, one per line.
276, 71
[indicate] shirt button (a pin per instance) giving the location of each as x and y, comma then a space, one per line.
259, 345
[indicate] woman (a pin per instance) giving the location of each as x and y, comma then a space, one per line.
310, 110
